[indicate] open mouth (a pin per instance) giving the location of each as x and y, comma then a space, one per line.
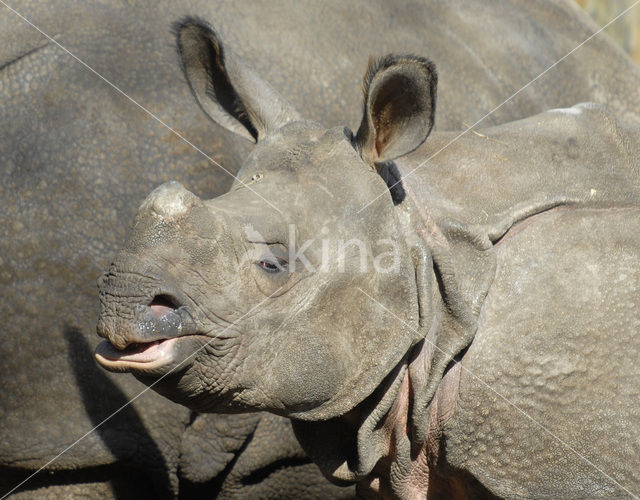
153, 339
137, 355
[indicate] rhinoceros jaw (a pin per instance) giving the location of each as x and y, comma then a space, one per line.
140, 355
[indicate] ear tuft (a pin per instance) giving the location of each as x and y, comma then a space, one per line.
399, 106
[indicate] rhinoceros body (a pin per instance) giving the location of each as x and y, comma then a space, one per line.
488, 354
78, 157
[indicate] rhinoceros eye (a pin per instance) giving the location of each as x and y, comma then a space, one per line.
272, 264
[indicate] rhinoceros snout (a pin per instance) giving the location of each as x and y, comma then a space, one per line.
169, 201
141, 324
133, 309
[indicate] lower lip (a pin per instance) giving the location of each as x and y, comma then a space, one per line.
153, 353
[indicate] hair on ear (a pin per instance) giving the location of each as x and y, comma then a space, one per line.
192, 30
399, 106
376, 65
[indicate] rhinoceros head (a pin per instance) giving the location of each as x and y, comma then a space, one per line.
259, 299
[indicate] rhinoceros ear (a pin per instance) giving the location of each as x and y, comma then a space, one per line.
399, 107
228, 91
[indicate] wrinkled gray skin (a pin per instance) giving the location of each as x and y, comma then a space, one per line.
519, 257
77, 158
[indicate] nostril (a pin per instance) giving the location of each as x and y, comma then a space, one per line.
162, 304
164, 300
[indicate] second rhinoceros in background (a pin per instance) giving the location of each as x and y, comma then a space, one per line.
433, 322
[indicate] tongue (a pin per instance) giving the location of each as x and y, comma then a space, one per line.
139, 353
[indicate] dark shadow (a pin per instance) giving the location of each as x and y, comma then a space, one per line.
124, 434
391, 174
211, 488
79, 483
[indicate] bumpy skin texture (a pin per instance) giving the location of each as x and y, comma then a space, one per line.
557, 331
573, 373
77, 158
517, 258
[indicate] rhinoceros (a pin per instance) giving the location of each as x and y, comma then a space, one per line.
77, 159
451, 316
